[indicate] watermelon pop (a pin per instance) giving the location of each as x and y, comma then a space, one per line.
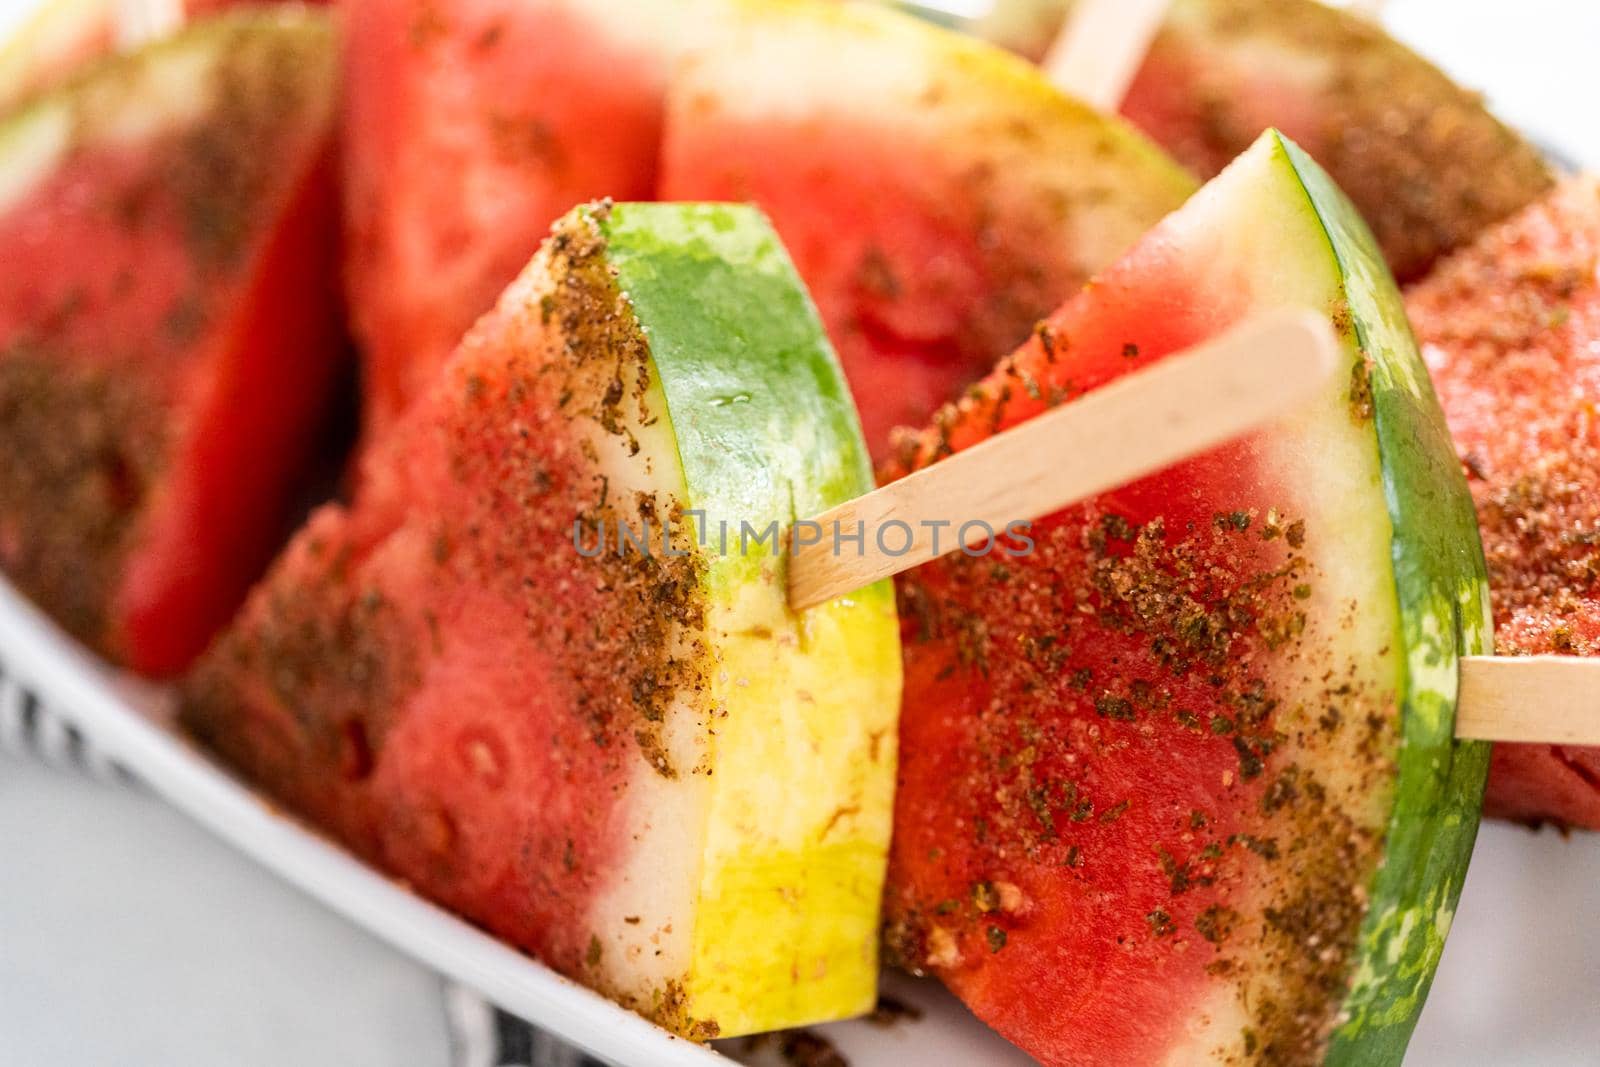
169, 335
1180, 785
1510, 329
527, 671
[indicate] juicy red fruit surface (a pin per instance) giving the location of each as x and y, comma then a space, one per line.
470, 127
369, 687
168, 342
1099, 827
436, 676
921, 278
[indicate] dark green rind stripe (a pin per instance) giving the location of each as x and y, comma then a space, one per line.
1442, 589
766, 426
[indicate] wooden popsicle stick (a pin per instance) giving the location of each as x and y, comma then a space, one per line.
1554, 700
1101, 47
1536, 699
1133, 426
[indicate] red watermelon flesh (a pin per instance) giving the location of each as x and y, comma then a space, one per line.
1150, 795
976, 195
168, 328
471, 127
366, 684
1511, 332
937, 195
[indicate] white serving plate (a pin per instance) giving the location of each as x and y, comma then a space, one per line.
1520, 980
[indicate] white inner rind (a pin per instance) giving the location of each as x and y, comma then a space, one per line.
644, 916
1261, 238
748, 888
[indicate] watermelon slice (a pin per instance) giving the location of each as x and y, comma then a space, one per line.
938, 196
642, 768
471, 127
1511, 331
1427, 165
168, 328
1180, 785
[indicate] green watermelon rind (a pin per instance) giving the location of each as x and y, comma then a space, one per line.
1442, 590
773, 434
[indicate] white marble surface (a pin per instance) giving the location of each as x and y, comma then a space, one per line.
130, 937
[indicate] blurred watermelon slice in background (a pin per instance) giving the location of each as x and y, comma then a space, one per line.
169, 327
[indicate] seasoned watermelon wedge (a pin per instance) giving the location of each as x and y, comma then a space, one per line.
1180, 785
639, 766
470, 127
168, 328
1511, 332
938, 196
1427, 165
